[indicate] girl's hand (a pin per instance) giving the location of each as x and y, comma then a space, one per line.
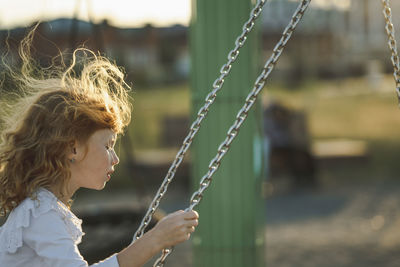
175, 228
169, 231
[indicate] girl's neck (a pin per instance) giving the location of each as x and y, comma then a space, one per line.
66, 199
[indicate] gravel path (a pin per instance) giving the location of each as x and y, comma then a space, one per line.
348, 226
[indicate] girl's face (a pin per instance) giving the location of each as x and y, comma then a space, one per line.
93, 162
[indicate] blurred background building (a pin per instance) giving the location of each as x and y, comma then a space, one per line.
337, 39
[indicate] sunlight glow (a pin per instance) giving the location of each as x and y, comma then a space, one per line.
121, 13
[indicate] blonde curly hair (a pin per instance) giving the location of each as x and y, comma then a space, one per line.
56, 107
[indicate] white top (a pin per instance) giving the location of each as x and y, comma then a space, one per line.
43, 233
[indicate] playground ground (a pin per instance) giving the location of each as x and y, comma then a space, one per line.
352, 225
347, 225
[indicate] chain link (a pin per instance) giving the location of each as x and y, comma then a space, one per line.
161, 260
202, 113
392, 45
242, 114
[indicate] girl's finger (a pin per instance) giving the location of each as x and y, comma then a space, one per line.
190, 223
191, 215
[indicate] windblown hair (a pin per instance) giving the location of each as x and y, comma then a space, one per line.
55, 107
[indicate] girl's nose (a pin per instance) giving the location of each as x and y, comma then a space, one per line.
115, 159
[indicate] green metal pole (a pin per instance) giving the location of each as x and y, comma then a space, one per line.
232, 214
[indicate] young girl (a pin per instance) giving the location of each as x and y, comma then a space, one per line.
58, 137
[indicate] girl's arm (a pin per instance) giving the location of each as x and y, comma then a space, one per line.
171, 230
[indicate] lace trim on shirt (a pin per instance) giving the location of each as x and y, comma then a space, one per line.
20, 217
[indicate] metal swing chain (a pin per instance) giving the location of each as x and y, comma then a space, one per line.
392, 45
250, 100
217, 85
242, 114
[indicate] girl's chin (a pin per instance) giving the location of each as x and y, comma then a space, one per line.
102, 186
99, 187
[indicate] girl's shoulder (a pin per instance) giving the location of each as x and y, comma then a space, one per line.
31, 209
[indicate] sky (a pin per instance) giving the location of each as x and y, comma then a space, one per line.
120, 13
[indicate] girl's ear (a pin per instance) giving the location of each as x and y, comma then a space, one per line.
77, 151
72, 151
